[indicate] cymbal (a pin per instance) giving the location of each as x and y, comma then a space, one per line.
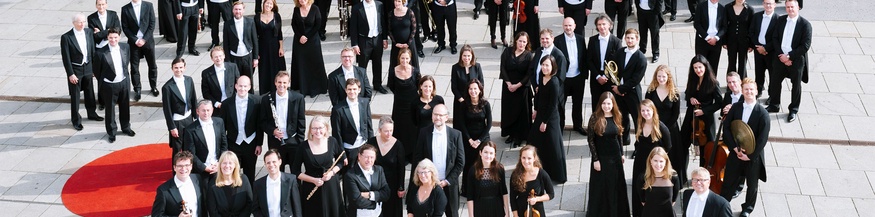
743, 136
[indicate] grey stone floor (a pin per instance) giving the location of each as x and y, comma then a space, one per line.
818, 166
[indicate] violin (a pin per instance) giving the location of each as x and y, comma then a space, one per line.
715, 155
518, 14
698, 137
531, 211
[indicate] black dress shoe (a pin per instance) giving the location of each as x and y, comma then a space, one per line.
494, 46
792, 117
509, 140
773, 109
171, 40
194, 52
665, 12
439, 49
101, 107
580, 130
137, 96
476, 14
129, 132
78, 127
212, 46
689, 20
453, 50
381, 90
420, 54
744, 214
322, 36
154, 92
111, 139
655, 59
432, 37
503, 42
673, 17
95, 118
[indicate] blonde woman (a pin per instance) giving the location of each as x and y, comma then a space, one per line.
316, 155
661, 186
229, 193
426, 198
650, 134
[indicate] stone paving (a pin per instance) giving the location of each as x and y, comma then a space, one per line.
820, 165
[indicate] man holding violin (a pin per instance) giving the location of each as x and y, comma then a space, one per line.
742, 164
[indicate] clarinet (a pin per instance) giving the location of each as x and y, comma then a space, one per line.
276, 120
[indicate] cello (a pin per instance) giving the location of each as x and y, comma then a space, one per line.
714, 156
519, 16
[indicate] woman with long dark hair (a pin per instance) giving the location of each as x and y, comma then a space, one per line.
464, 71
269, 26
703, 99
607, 181
474, 120
546, 133
308, 67
516, 108
405, 83
487, 188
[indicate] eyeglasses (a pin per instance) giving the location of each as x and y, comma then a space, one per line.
701, 180
423, 172
347, 56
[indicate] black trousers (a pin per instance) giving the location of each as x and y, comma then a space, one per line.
324, 6
218, 10
617, 12
187, 29
117, 93
737, 54
85, 84
372, 50
712, 53
244, 63
780, 71
628, 105
246, 153
425, 19
176, 143
648, 23
352, 156
288, 151
761, 64
147, 51
497, 13
596, 90
671, 6
691, 4
573, 87
578, 13
452, 193
737, 173
445, 18
421, 19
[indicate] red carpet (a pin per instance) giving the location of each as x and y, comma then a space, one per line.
121, 183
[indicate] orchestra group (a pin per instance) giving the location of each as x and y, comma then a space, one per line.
343, 165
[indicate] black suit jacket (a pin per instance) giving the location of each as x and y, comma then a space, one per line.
195, 142
755, 26
354, 183
168, 200
343, 124
72, 54
172, 101
218, 204
560, 62
455, 152
210, 83
337, 84
594, 59
715, 205
112, 21
358, 24
760, 125
295, 118
147, 23
559, 41
230, 41
250, 125
701, 23
631, 72
801, 42
290, 198
106, 66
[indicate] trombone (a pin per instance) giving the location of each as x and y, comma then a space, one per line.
430, 18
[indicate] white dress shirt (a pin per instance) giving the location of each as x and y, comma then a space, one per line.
210, 136
644, 4
220, 76
439, 151
745, 114
347, 74
697, 204
180, 84
273, 195
218, 1
83, 45
116, 54
188, 193
629, 53
102, 18
735, 97
189, 4
241, 47
712, 20
603, 50
373, 197
282, 109
242, 107
787, 40
573, 65
764, 27
136, 7
356, 117
371, 14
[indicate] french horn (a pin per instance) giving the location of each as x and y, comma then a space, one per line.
611, 72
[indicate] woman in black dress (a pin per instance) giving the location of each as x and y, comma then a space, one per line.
528, 177
487, 188
516, 108
531, 24
497, 11
390, 156
464, 71
649, 134
703, 99
308, 68
404, 100
660, 190
270, 43
474, 121
607, 181
229, 192
546, 133
664, 94
423, 107
402, 29
316, 155
426, 198
738, 17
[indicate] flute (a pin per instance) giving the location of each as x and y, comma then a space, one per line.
332, 166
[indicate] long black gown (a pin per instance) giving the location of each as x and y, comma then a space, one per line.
401, 31
434, 205
473, 125
405, 96
308, 67
643, 146
459, 82
711, 101
549, 143
532, 25
542, 185
328, 199
659, 199
487, 195
607, 188
269, 63
669, 114
516, 112
393, 164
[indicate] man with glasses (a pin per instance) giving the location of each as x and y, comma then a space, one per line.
184, 186
443, 146
337, 78
700, 201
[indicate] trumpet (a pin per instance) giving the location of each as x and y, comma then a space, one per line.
611, 72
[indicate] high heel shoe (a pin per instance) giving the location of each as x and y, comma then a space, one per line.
493, 44
504, 42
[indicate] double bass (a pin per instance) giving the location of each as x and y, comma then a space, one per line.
715, 155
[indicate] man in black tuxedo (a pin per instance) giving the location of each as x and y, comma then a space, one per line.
240, 115
573, 47
741, 167
139, 24
444, 14
365, 185
100, 21
287, 201
790, 43
117, 85
167, 22
188, 13
710, 27
617, 11
205, 139
578, 10
178, 102
701, 201
217, 81
184, 186
77, 50
218, 9
449, 164
548, 48
650, 21
351, 120
601, 48
337, 78
240, 41
282, 117
762, 24
367, 38
631, 66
